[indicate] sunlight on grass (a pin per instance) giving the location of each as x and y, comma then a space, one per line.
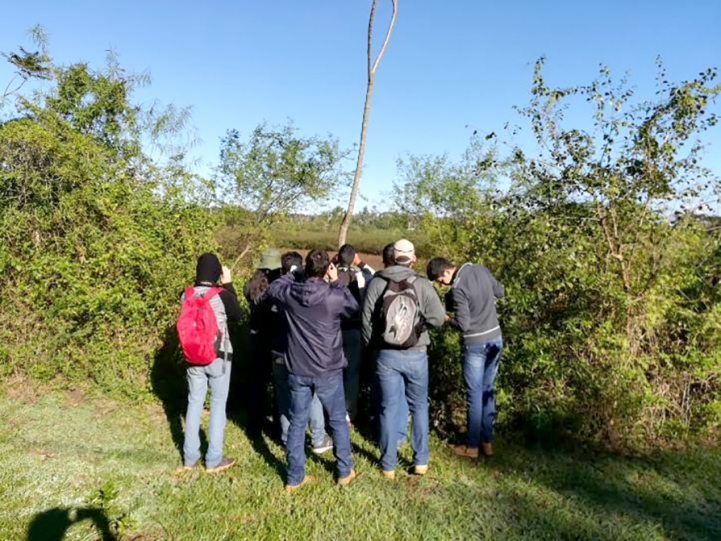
77, 467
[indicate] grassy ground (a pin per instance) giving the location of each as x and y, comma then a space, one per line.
75, 468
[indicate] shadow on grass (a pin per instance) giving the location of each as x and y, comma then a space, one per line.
169, 383
675, 493
257, 441
53, 524
167, 378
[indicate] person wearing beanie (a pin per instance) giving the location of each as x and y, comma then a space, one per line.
209, 273
401, 368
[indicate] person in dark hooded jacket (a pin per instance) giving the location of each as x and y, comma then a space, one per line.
314, 309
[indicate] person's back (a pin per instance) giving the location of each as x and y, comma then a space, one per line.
479, 290
472, 298
216, 375
277, 326
355, 275
402, 366
429, 305
261, 324
313, 311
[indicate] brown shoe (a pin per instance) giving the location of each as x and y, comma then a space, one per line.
487, 449
184, 468
464, 450
345, 481
420, 469
223, 465
389, 474
291, 488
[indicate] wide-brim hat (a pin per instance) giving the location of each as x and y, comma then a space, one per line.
270, 259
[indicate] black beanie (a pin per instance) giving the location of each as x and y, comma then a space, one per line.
208, 269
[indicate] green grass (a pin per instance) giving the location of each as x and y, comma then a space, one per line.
68, 463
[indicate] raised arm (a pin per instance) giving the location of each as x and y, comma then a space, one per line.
230, 302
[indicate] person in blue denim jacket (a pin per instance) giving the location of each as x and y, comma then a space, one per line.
472, 299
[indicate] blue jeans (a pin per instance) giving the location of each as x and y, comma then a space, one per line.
216, 375
480, 366
353, 351
403, 377
329, 389
376, 405
282, 392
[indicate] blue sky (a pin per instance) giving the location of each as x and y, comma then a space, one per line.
448, 70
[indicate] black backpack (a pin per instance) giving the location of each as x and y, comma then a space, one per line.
400, 315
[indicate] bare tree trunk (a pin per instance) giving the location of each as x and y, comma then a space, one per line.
372, 67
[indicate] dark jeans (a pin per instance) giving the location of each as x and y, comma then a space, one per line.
353, 351
480, 366
403, 377
329, 388
282, 393
259, 376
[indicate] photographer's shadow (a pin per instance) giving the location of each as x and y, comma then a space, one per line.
53, 524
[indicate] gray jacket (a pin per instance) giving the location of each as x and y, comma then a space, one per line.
430, 305
472, 298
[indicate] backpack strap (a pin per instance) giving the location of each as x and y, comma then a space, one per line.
189, 292
212, 292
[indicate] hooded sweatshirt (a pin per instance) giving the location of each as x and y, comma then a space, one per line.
430, 305
313, 310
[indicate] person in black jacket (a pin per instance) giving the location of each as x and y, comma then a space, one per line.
472, 297
354, 274
209, 274
313, 310
259, 368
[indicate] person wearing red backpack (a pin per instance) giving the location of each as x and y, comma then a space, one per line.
203, 333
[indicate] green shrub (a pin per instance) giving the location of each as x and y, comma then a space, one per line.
96, 240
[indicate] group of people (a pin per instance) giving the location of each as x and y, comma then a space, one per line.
314, 322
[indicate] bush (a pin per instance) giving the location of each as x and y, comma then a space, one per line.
96, 240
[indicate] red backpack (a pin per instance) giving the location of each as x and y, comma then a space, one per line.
198, 328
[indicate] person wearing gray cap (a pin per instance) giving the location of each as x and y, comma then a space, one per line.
398, 306
260, 366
